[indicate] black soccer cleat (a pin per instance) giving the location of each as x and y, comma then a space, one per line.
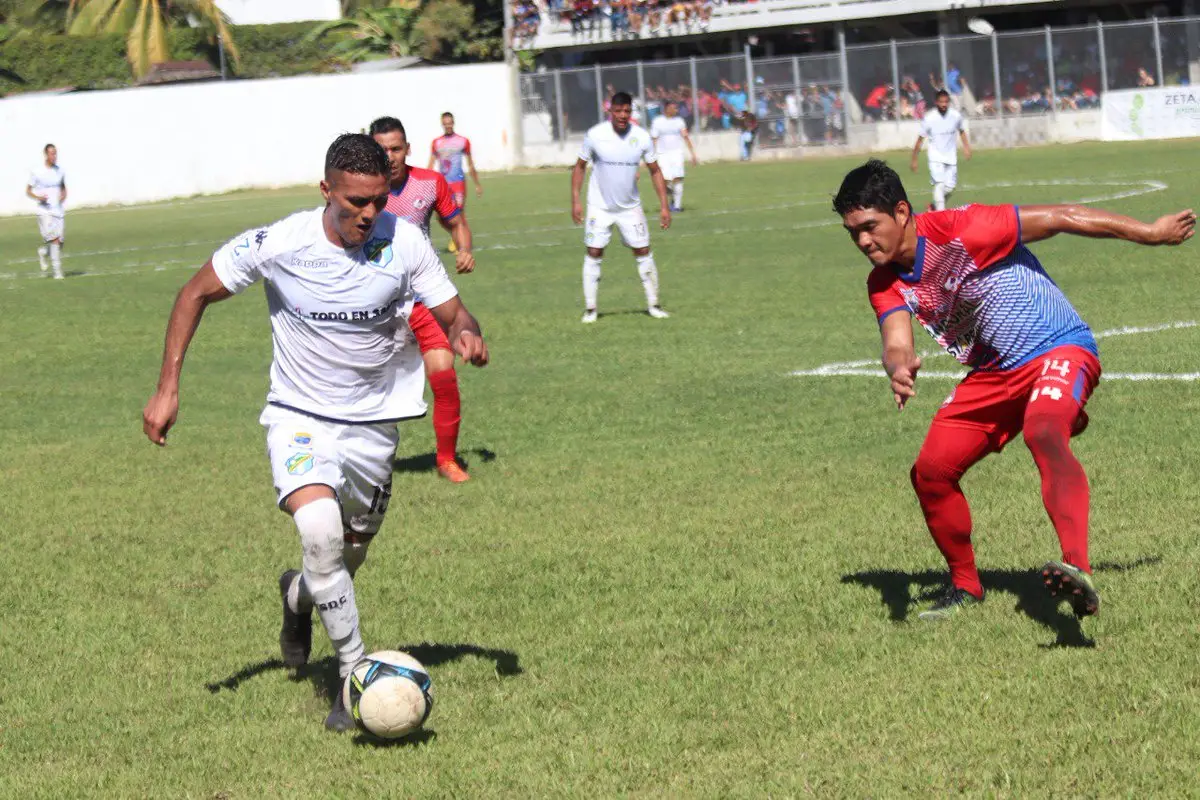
295, 637
339, 719
1069, 581
950, 603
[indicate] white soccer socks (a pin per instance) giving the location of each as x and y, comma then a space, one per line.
43, 252
591, 282
939, 196
327, 578
56, 259
649, 273
677, 194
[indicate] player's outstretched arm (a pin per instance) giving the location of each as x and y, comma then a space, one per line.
966, 143
163, 407
900, 359
462, 330
691, 147
916, 152
32, 195
577, 173
460, 232
660, 188
1042, 222
474, 175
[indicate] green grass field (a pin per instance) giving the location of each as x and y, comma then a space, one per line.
679, 570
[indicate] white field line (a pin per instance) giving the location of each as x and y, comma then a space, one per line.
869, 368
1140, 187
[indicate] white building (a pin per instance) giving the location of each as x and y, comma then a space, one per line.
269, 12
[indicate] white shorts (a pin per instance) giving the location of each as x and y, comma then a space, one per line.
51, 226
630, 221
945, 174
353, 460
671, 165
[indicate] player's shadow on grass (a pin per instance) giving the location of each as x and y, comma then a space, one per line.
895, 590
427, 462
323, 674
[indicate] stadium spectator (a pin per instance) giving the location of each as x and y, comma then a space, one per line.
748, 122
878, 101
791, 113
954, 85
1144, 78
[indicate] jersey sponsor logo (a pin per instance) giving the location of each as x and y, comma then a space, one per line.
260, 237
309, 263
299, 463
378, 252
302, 439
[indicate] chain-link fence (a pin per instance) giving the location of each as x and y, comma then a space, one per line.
812, 99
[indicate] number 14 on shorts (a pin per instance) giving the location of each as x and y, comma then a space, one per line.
1062, 367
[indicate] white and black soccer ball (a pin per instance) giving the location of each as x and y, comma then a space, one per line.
389, 694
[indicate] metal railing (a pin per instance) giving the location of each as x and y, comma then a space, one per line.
811, 99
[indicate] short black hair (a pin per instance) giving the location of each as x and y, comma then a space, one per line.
671, 103
46, 149
359, 154
873, 185
622, 99
447, 114
387, 125
942, 93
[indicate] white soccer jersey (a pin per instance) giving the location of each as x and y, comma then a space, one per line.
48, 182
942, 133
615, 160
668, 133
333, 313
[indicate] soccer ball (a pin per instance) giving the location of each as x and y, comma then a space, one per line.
388, 694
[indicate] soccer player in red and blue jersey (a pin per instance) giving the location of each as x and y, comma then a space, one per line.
447, 155
968, 278
415, 195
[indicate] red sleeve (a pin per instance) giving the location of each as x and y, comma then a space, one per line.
884, 294
990, 233
433, 147
466, 145
444, 204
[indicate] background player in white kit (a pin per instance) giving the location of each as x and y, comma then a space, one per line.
48, 186
616, 149
334, 277
942, 126
670, 134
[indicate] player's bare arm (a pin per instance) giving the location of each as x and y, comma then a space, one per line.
162, 409
900, 359
62, 197
966, 144
462, 330
460, 232
1042, 222
34, 196
474, 175
916, 153
660, 188
577, 174
691, 147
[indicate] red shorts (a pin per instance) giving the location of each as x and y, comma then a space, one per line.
999, 402
459, 192
430, 335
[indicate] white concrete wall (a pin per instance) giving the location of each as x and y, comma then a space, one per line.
270, 12
154, 143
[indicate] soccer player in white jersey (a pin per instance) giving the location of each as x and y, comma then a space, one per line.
615, 150
48, 186
670, 134
340, 377
942, 126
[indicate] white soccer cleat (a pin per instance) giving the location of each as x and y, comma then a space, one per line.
657, 313
589, 316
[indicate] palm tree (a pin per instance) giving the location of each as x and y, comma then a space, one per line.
374, 33
145, 24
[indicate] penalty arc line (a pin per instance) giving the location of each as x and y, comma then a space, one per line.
868, 368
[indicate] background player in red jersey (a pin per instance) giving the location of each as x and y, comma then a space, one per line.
968, 279
415, 195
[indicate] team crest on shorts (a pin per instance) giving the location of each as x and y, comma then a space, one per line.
378, 252
301, 439
299, 464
